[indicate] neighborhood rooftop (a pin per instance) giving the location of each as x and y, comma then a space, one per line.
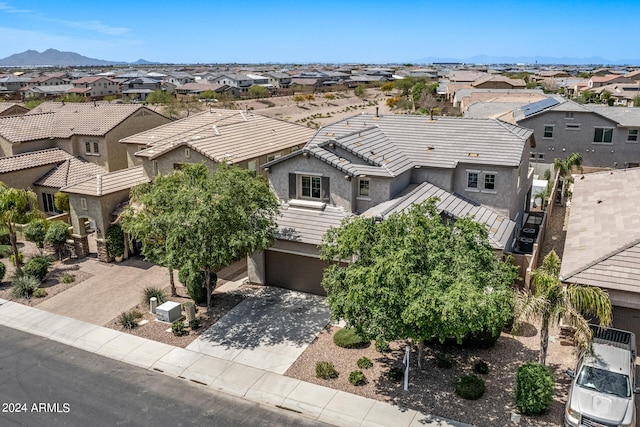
108, 183
33, 159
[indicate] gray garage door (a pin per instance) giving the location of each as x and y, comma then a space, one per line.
299, 273
627, 319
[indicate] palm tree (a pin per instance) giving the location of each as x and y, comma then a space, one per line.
552, 301
564, 167
17, 207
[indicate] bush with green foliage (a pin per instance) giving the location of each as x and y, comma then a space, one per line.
153, 292
61, 201
39, 293
194, 324
57, 234
129, 319
24, 285
470, 387
178, 328
481, 367
326, 370
115, 241
68, 278
194, 281
382, 346
20, 258
444, 360
396, 374
348, 338
37, 266
35, 231
364, 363
357, 378
5, 251
534, 388
3, 270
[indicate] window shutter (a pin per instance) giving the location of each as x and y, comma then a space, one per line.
292, 186
325, 188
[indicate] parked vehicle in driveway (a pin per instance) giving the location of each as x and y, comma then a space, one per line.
603, 387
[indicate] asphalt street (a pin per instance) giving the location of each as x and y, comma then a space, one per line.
45, 383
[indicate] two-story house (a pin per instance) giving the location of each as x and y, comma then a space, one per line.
374, 166
604, 136
140, 87
96, 87
278, 79
240, 81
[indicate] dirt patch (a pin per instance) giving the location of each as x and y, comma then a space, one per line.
431, 390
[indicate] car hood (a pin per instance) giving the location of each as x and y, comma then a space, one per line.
599, 405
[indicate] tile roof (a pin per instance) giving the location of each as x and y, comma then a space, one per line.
5, 106
229, 135
33, 159
70, 172
602, 246
500, 227
307, 225
63, 120
108, 183
625, 116
391, 144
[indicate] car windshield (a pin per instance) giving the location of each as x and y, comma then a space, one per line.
604, 381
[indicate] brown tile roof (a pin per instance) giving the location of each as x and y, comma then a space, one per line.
92, 79
33, 159
108, 183
70, 172
229, 135
4, 106
63, 120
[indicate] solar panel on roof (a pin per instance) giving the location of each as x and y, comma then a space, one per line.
538, 106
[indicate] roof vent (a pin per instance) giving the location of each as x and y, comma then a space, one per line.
215, 129
473, 154
430, 148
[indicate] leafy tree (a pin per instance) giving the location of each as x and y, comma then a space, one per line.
416, 276
636, 101
564, 167
115, 241
207, 94
110, 98
403, 85
58, 234
298, 99
71, 97
17, 207
160, 97
61, 201
257, 91
202, 219
387, 87
551, 301
33, 103
359, 91
416, 92
35, 231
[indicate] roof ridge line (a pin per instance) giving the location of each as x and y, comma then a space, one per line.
602, 258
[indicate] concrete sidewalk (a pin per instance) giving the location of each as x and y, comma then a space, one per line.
257, 385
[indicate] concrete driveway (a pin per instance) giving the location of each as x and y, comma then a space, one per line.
269, 330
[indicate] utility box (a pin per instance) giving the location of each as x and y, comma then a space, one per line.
170, 311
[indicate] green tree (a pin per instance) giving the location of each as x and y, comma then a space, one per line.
160, 97
416, 276
417, 91
257, 91
35, 231
58, 234
33, 103
206, 220
403, 85
61, 201
360, 91
564, 168
17, 207
387, 87
636, 101
550, 300
71, 97
207, 94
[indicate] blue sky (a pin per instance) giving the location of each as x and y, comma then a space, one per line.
373, 31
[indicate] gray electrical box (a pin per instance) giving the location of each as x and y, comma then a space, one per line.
170, 311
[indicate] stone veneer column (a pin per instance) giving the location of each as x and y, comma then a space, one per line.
81, 244
102, 250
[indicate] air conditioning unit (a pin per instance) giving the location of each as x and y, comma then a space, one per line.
169, 311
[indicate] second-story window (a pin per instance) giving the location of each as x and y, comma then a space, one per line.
472, 179
548, 132
92, 147
311, 186
489, 181
633, 135
603, 135
363, 187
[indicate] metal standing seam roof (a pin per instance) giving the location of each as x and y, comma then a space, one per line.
307, 225
108, 183
602, 245
499, 227
229, 135
392, 144
70, 172
33, 159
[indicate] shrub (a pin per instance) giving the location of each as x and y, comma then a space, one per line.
534, 388
193, 280
348, 338
115, 241
37, 267
357, 378
35, 231
444, 360
194, 324
178, 328
68, 278
129, 319
5, 251
3, 270
57, 234
20, 258
24, 285
481, 367
39, 293
364, 363
470, 387
326, 370
151, 292
382, 346
396, 374
61, 201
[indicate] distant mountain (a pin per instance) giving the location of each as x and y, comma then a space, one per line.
488, 59
57, 58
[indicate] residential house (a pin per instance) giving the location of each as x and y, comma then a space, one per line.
597, 81
140, 87
10, 85
91, 131
604, 136
374, 165
240, 81
96, 87
602, 246
12, 109
51, 79
195, 89
496, 81
45, 92
278, 79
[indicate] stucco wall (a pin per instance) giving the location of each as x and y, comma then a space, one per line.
500, 199
25, 147
166, 162
440, 177
98, 208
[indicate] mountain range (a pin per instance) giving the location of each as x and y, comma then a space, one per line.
53, 57
488, 59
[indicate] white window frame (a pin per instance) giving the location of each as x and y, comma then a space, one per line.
362, 196
91, 147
